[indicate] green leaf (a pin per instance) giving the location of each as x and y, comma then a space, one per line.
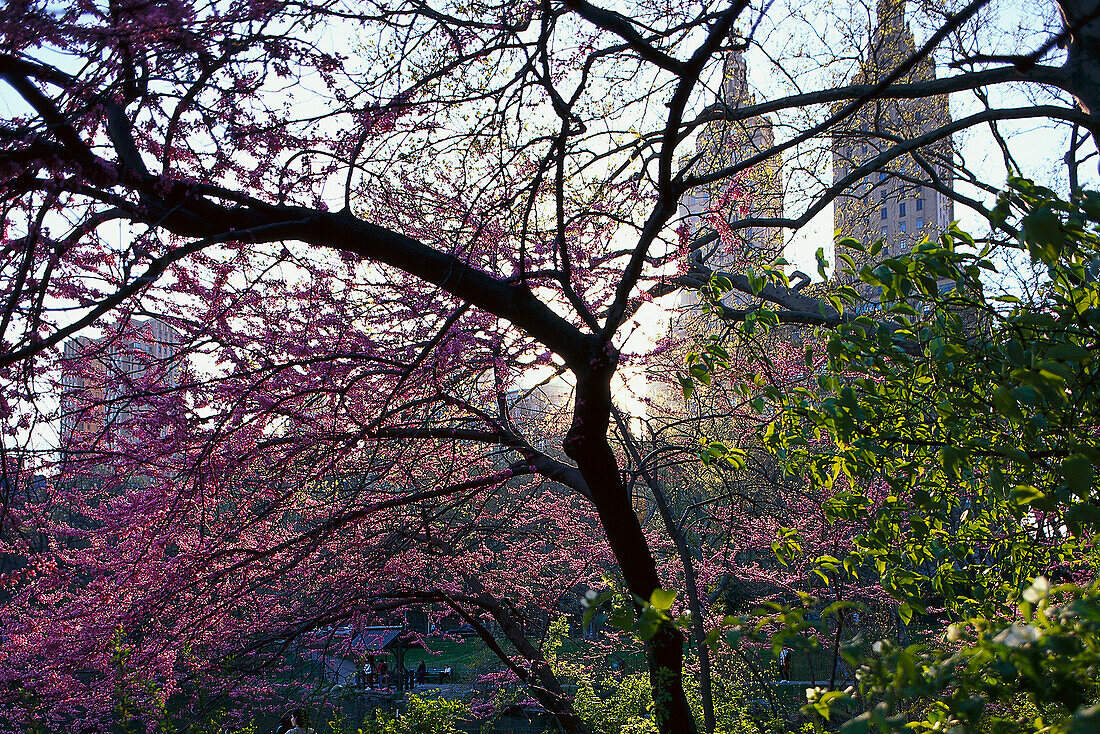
1006, 405
1043, 234
859, 725
592, 607
687, 385
646, 625
1067, 352
950, 457
1025, 494
1079, 474
822, 263
662, 599
622, 619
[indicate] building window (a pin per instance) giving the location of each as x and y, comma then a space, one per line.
920, 223
920, 204
901, 209
902, 228
883, 213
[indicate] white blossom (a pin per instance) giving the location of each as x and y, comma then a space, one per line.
1039, 590
1017, 635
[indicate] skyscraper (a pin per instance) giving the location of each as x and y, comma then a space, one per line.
904, 198
715, 207
756, 193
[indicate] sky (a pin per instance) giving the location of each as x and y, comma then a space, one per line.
790, 31
1037, 145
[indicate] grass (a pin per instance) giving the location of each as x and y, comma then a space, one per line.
461, 655
469, 655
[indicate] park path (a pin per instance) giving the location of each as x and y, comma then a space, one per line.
342, 671
335, 669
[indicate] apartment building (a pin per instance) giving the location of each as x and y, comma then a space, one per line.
899, 199
107, 383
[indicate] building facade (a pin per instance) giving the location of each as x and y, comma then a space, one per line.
905, 198
756, 193
107, 383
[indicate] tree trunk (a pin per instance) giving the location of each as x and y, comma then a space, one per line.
1082, 67
587, 444
694, 604
706, 694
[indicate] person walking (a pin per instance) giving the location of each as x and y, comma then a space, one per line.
297, 721
360, 675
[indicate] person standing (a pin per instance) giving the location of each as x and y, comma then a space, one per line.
785, 664
383, 670
299, 723
294, 722
421, 673
360, 675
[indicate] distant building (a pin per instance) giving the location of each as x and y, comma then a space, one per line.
543, 413
757, 193
106, 383
893, 201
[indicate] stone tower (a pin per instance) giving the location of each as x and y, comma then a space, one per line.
755, 193
894, 200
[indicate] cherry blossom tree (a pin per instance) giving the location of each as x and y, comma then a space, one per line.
369, 228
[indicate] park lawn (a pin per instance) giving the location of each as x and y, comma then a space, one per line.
471, 655
462, 656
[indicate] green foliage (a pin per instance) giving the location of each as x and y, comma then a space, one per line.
630, 613
624, 705
140, 703
616, 706
219, 722
1034, 674
969, 425
421, 716
711, 358
731, 709
963, 427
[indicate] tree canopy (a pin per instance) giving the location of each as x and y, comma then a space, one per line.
371, 228
960, 421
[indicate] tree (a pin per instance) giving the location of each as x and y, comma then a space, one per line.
704, 479
364, 245
964, 425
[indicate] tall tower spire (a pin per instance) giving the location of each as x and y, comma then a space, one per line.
735, 85
892, 31
891, 17
892, 203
